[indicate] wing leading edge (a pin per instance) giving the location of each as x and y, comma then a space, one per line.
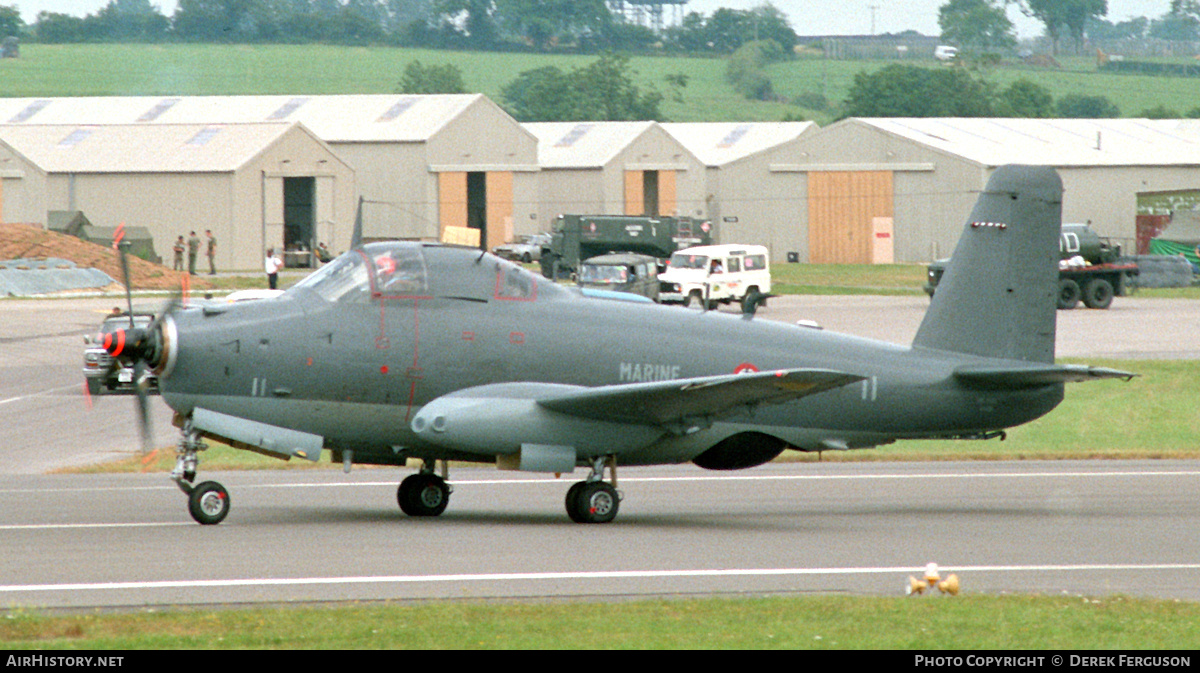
678, 400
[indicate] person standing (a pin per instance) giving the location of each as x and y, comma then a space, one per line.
211, 252
178, 249
272, 265
193, 245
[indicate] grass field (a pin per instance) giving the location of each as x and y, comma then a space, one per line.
186, 69
963, 623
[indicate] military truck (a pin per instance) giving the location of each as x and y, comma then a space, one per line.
1090, 269
578, 237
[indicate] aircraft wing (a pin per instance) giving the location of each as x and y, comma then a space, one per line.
674, 401
1035, 375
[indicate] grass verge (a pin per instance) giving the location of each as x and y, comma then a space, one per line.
965, 622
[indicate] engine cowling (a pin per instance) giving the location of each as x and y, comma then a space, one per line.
746, 449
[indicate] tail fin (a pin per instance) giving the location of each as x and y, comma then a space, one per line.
997, 297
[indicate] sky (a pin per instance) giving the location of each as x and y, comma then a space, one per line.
808, 17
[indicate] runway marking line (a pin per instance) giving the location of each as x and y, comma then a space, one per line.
41, 393
68, 526
793, 477
559, 576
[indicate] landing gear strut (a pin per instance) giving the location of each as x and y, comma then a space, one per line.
208, 502
424, 493
595, 500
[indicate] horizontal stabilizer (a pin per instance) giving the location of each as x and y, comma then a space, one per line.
1034, 376
675, 401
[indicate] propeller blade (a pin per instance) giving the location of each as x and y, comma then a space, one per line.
122, 247
143, 406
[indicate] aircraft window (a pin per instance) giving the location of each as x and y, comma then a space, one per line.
755, 262
679, 261
400, 272
345, 279
1069, 242
513, 282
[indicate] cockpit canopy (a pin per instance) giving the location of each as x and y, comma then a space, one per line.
410, 270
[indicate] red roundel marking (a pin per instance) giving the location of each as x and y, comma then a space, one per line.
383, 369
744, 368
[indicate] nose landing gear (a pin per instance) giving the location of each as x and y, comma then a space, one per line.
208, 502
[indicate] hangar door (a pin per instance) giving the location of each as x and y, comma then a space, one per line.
650, 193
845, 212
479, 202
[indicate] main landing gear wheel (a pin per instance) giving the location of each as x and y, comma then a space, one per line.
208, 503
423, 494
593, 502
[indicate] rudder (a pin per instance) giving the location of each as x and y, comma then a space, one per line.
997, 297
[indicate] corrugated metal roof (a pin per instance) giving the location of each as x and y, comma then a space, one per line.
1048, 142
334, 118
141, 148
720, 143
583, 144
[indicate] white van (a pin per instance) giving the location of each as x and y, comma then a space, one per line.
718, 274
944, 52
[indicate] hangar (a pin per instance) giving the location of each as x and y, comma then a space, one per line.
908, 183
615, 168
174, 178
752, 202
427, 166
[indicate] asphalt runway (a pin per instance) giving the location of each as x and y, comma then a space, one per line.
1089, 528
120, 540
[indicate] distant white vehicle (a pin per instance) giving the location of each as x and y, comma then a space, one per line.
944, 52
525, 249
717, 274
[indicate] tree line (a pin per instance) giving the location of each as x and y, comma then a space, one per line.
532, 25
983, 25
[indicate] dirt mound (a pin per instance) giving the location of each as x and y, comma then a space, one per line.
24, 241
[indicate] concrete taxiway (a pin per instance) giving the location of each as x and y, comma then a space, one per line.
1092, 528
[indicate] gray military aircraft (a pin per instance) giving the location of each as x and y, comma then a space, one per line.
402, 350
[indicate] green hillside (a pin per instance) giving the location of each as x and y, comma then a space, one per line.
185, 69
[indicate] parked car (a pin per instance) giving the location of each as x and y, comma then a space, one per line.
101, 372
620, 272
524, 249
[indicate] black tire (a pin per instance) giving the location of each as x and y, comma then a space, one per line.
527, 258
1068, 294
208, 503
751, 301
423, 494
572, 502
1098, 294
94, 387
596, 502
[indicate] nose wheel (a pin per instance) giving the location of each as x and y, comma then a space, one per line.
208, 503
